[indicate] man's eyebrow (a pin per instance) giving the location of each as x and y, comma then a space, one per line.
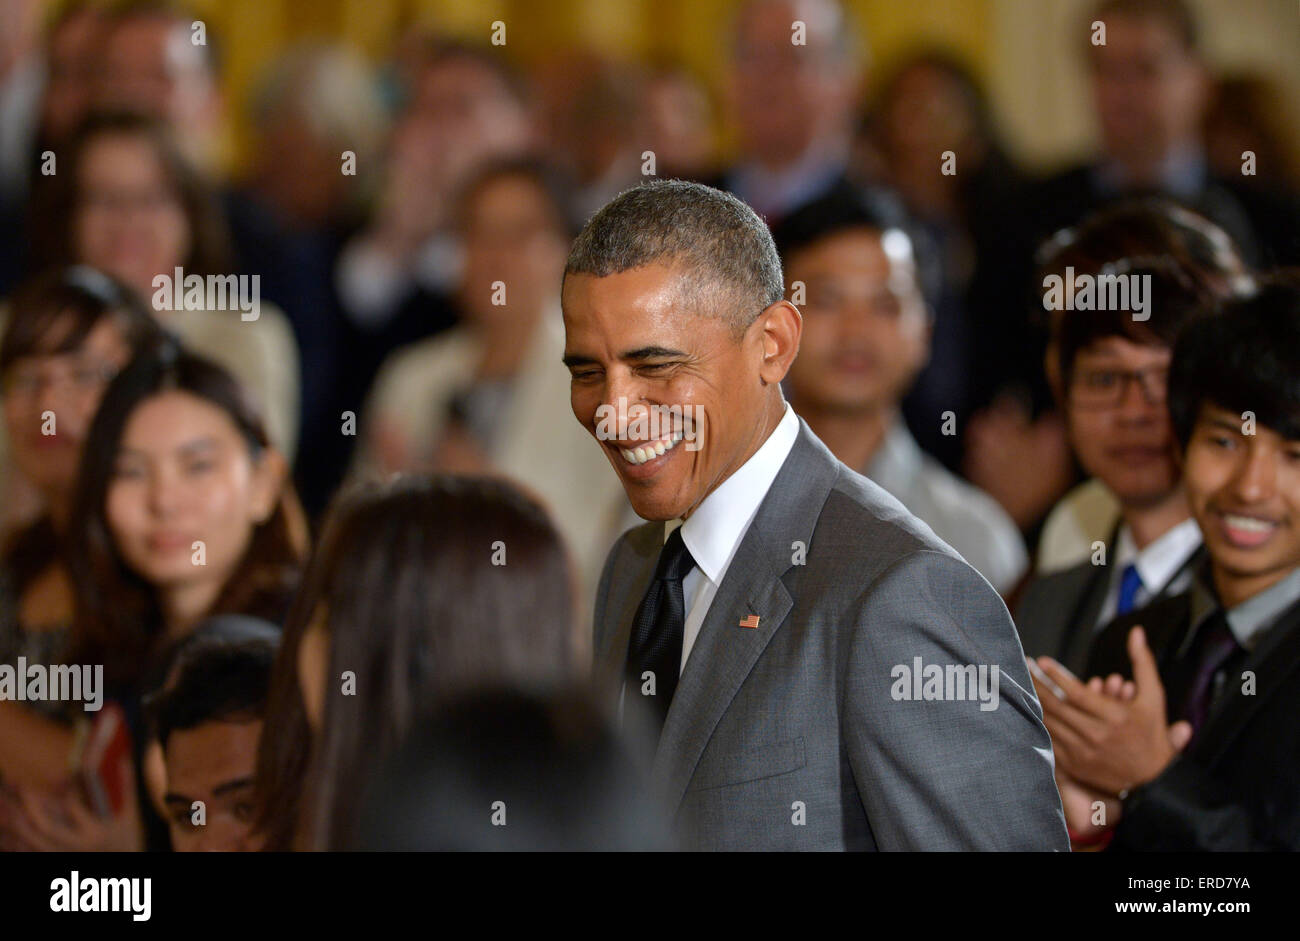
1228, 424
640, 353
651, 352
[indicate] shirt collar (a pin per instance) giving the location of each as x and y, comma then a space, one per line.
714, 530
1182, 172
1249, 620
1160, 561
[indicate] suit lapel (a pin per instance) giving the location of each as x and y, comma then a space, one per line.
724, 652
645, 543
1082, 624
1279, 656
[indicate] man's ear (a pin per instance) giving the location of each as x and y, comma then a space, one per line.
781, 325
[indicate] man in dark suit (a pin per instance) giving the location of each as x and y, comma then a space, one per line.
1198, 751
817, 669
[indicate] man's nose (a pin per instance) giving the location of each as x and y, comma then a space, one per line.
1257, 478
622, 389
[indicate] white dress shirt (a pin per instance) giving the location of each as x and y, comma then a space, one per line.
1161, 564
714, 531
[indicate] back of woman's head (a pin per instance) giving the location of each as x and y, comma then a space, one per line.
118, 614
423, 587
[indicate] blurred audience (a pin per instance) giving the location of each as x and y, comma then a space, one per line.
866, 335
127, 202
589, 111
1153, 228
181, 511
418, 590
489, 395
153, 62
928, 107
319, 123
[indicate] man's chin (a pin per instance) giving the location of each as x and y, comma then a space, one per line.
655, 507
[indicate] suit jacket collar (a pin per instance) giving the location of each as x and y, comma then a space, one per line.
724, 652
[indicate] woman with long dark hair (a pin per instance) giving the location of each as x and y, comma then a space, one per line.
418, 589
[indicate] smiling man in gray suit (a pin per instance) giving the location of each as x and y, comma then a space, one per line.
820, 670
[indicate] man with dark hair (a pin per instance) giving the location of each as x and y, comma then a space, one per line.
208, 719
771, 623
867, 331
1198, 751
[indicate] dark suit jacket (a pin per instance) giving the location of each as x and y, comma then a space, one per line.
790, 735
1057, 614
1235, 787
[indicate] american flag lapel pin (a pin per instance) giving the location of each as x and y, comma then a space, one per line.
750, 622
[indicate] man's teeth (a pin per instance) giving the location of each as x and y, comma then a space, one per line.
1247, 523
649, 452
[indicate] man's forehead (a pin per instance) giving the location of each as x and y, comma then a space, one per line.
662, 294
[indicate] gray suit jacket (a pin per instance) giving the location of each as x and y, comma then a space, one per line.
791, 735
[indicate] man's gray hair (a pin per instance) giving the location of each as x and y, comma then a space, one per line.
722, 245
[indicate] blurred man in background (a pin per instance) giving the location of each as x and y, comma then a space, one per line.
792, 102
866, 336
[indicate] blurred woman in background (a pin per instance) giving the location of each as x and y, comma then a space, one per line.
68, 332
418, 589
127, 202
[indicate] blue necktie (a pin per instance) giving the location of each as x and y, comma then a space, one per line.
1129, 584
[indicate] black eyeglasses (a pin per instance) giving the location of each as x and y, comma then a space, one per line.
1106, 388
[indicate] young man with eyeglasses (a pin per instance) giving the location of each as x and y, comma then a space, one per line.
1113, 372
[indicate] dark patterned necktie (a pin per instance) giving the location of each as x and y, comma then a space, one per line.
656, 643
1215, 645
